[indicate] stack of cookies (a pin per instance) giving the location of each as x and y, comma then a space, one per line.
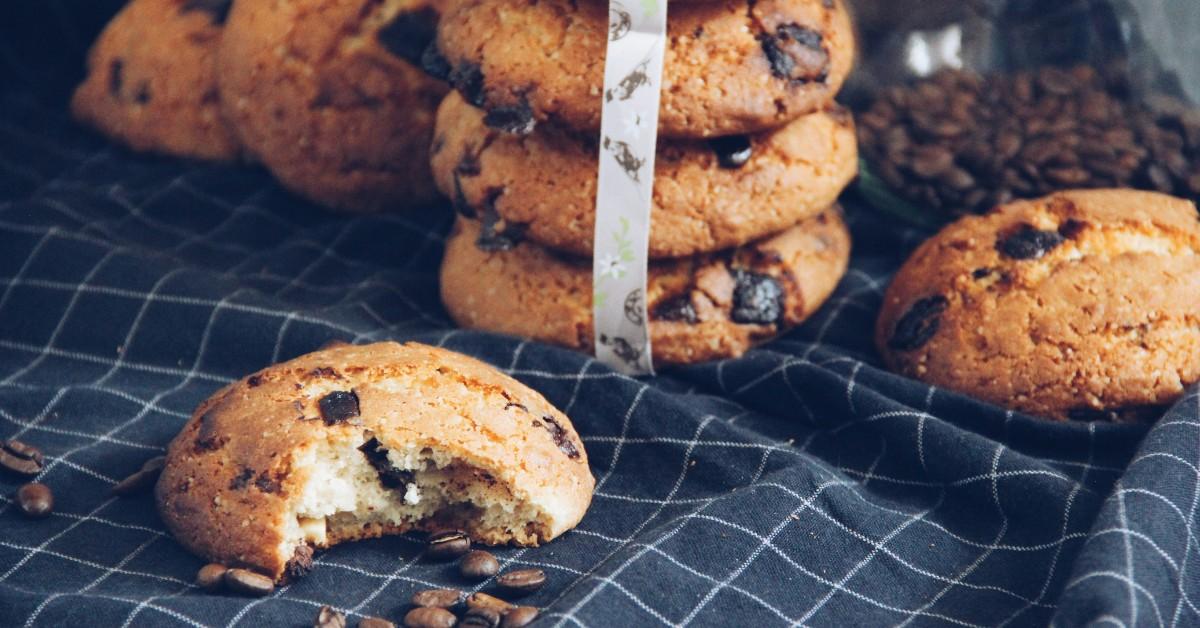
327, 94
746, 239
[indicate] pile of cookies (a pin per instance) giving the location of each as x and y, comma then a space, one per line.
746, 239
327, 94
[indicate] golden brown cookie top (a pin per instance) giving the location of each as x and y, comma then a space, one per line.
1083, 304
732, 66
152, 82
237, 472
329, 95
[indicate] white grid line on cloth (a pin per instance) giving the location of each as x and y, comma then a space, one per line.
1184, 597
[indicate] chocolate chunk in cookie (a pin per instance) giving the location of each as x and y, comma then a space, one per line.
757, 298
919, 324
1028, 242
409, 34
339, 406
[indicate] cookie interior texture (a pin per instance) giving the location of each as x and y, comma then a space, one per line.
1081, 305
355, 442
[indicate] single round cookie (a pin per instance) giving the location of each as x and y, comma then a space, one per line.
354, 442
1080, 305
705, 307
732, 67
708, 195
329, 96
151, 81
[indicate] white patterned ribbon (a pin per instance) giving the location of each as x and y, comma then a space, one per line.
628, 136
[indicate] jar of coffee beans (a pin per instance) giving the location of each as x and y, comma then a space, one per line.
1059, 96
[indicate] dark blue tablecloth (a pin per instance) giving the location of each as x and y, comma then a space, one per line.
801, 484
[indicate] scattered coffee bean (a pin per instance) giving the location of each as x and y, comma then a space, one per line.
35, 500
964, 143
918, 325
247, 582
211, 577
522, 580
328, 617
480, 618
1028, 243
479, 565
339, 406
437, 598
483, 600
375, 622
448, 544
143, 480
519, 617
20, 458
429, 617
732, 152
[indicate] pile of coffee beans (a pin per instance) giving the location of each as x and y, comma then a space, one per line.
961, 143
445, 608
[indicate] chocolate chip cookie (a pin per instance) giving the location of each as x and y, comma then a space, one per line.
329, 96
151, 81
731, 67
355, 442
708, 195
704, 307
1080, 305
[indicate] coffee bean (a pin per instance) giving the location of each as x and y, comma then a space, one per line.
143, 480
480, 618
947, 142
483, 600
429, 617
328, 617
247, 582
439, 598
522, 580
919, 324
1027, 243
20, 458
375, 622
448, 544
479, 565
732, 152
35, 500
211, 577
519, 617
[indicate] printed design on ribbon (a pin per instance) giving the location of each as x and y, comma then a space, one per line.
628, 138
620, 22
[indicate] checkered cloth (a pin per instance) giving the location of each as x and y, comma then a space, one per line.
801, 484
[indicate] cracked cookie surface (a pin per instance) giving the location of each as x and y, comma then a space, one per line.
1082, 305
732, 67
328, 94
708, 195
704, 307
353, 442
151, 81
